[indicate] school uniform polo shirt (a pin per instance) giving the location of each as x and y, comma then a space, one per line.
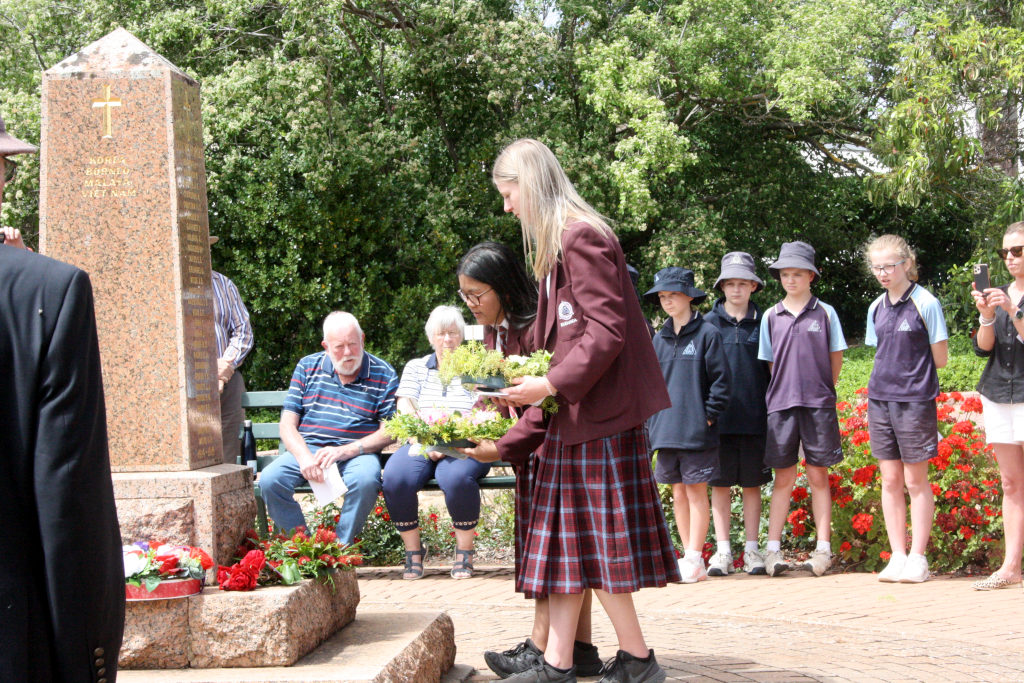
331, 413
904, 331
799, 348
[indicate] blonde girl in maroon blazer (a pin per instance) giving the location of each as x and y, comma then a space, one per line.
595, 517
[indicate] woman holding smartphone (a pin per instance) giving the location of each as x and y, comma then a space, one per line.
595, 517
999, 338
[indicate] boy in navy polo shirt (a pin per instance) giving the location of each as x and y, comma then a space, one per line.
686, 434
802, 338
907, 325
744, 423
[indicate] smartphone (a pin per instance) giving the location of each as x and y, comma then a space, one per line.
981, 280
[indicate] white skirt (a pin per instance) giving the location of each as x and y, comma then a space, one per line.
1004, 422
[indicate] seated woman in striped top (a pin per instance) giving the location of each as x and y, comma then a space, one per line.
404, 476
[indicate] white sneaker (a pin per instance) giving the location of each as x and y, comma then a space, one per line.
774, 563
818, 562
692, 572
753, 562
915, 570
720, 564
893, 570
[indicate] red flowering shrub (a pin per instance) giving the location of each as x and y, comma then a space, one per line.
289, 559
861, 523
864, 476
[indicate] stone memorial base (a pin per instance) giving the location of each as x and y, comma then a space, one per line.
270, 626
379, 647
209, 508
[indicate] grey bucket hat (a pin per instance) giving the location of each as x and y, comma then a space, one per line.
675, 279
11, 145
738, 265
795, 255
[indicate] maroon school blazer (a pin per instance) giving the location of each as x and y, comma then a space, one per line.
603, 362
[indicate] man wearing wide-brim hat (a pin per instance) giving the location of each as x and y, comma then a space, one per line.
9, 146
62, 576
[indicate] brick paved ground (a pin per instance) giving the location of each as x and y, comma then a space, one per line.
842, 627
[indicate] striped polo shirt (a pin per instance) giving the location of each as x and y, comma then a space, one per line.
421, 383
904, 331
799, 347
331, 413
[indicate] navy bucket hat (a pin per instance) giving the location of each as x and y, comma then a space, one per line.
675, 279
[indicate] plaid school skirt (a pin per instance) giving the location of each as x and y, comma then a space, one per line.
523, 493
595, 520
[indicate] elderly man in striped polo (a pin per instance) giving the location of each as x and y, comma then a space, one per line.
332, 418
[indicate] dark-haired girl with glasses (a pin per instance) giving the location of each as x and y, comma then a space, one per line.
1000, 338
503, 298
907, 325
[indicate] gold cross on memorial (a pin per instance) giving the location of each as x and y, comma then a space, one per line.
106, 103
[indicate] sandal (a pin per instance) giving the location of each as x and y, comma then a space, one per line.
413, 569
994, 582
463, 566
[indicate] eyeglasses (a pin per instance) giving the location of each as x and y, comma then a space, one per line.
10, 169
473, 299
1016, 251
887, 268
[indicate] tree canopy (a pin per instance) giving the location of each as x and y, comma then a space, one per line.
349, 142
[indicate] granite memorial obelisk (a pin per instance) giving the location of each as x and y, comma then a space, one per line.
123, 196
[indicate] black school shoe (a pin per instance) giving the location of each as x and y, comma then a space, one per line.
626, 668
524, 655
542, 672
520, 658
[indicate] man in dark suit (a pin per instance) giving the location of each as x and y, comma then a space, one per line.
61, 573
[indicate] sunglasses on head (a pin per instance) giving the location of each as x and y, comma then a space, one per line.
1016, 251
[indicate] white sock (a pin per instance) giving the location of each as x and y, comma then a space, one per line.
914, 555
773, 546
692, 555
897, 555
750, 546
723, 547
824, 547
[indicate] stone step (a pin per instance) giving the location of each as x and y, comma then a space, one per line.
379, 646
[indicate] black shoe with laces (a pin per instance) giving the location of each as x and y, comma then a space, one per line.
542, 672
586, 659
520, 658
626, 668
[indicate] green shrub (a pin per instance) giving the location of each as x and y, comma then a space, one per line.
963, 370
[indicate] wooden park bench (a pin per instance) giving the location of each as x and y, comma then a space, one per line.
271, 430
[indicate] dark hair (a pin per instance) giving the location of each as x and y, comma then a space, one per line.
496, 265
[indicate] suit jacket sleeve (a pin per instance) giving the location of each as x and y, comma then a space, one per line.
77, 518
590, 263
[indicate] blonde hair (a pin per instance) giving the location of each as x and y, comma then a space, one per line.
898, 245
1014, 228
548, 202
